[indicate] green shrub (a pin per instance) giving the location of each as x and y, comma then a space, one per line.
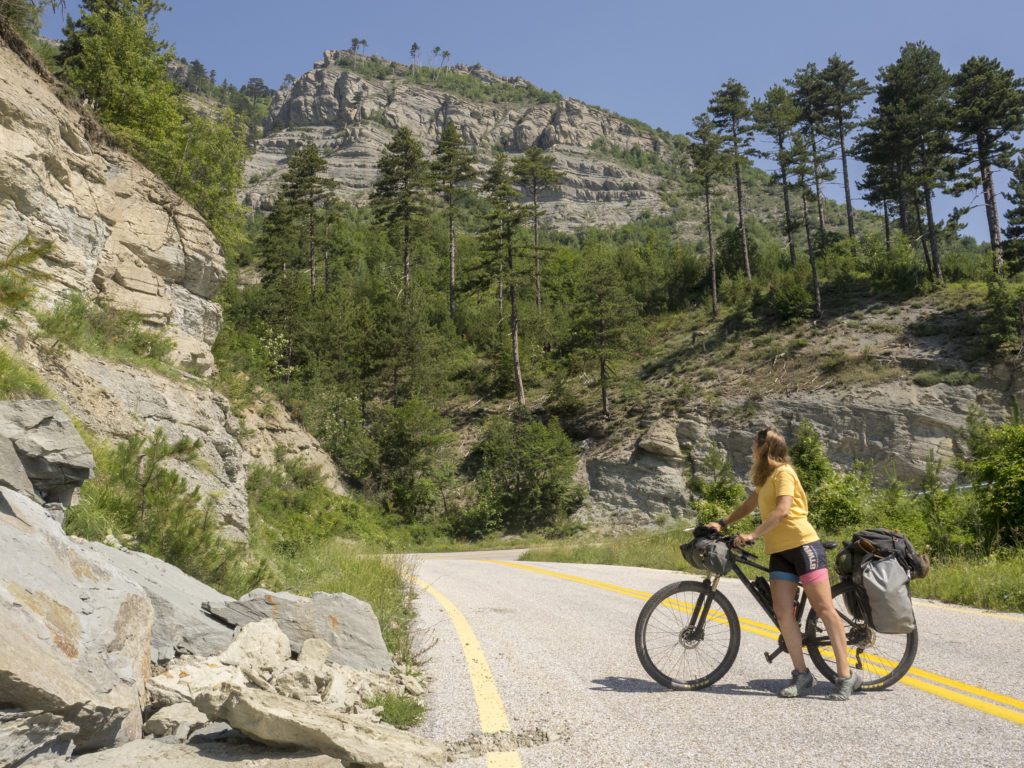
1004, 322
789, 297
809, 458
100, 329
839, 502
398, 710
954, 378
18, 381
527, 471
718, 490
134, 494
18, 274
996, 468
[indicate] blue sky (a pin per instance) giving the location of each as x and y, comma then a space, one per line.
656, 60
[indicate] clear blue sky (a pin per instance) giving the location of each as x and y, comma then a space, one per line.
655, 60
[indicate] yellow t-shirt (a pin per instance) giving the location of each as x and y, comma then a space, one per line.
794, 530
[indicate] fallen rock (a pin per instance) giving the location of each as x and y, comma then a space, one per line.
28, 734
180, 627
75, 630
52, 452
279, 721
345, 622
12, 473
660, 439
259, 645
206, 754
187, 678
179, 720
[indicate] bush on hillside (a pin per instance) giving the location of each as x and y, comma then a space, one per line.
996, 468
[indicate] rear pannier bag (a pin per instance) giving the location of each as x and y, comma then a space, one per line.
880, 542
706, 554
886, 584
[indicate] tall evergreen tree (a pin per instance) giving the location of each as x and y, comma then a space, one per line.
843, 91
501, 241
453, 168
988, 102
809, 94
303, 190
802, 165
399, 195
731, 114
709, 165
776, 115
1015, 217
535, 172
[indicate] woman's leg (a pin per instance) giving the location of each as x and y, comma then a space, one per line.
783, 594
819, 594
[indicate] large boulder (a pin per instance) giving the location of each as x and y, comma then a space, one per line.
180, 627
52, 452
75, 630
345, 622
283, 722
28, 734
12, 473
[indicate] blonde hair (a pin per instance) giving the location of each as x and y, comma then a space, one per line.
770, 452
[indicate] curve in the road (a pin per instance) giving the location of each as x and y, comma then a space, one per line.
493, 718
981, 699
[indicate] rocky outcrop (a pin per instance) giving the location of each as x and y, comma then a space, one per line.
76, 632
52, 453
180, 628
178, 721
347, 624
351, 117
117, 230
24, 735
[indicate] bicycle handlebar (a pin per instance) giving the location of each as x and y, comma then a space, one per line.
705, 531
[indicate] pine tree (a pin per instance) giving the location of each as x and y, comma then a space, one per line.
809, 95
709, 165
843, 91
1014, 230
731, 115
399, 194
802, 165
777, 116
303, 190
988, 102
500, 240
453, 168
535, 172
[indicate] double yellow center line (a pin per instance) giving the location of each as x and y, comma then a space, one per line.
972, 696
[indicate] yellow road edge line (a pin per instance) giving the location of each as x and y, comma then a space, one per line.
504, 760
755, 627
493, 718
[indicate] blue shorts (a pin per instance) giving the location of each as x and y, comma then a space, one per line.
804, 564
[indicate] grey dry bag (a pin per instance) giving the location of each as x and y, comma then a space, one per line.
886, 584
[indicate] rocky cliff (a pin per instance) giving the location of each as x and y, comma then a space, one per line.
118, 232
349, 106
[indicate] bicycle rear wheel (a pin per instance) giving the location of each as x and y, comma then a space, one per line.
679, 650
881, 659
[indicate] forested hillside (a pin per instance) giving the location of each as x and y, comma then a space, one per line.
463, 355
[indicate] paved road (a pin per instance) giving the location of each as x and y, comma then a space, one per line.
557, 642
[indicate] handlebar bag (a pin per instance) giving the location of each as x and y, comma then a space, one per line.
707, 554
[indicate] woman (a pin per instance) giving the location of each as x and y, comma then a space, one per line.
796, 556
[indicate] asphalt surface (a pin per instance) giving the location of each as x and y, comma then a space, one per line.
562, 658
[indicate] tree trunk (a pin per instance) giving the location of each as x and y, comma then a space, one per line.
902, 210
789, 215
604, 387
807, 225
501, 299
846, 178
888, 233
451, 264
739, 205
921, 238
817, 182
932, 236
536, 247
711, 248
990, 208
312, 252
406, 264
516, 366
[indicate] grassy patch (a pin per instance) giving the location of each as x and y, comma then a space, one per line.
398, 710
18, 381
100, 329
995, 582
954, 378
647, 549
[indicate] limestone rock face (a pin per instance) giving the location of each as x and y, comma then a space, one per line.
279, 721
55, 459
177, 720
352, 117
345, 622
24, 735
76, 632
12, 471
179, 627
150, 752
117, 230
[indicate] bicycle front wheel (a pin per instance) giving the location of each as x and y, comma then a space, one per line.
881, 659
687, 636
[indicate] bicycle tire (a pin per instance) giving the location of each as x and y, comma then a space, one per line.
881, 659
681, 657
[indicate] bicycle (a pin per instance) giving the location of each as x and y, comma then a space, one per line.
688, 633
